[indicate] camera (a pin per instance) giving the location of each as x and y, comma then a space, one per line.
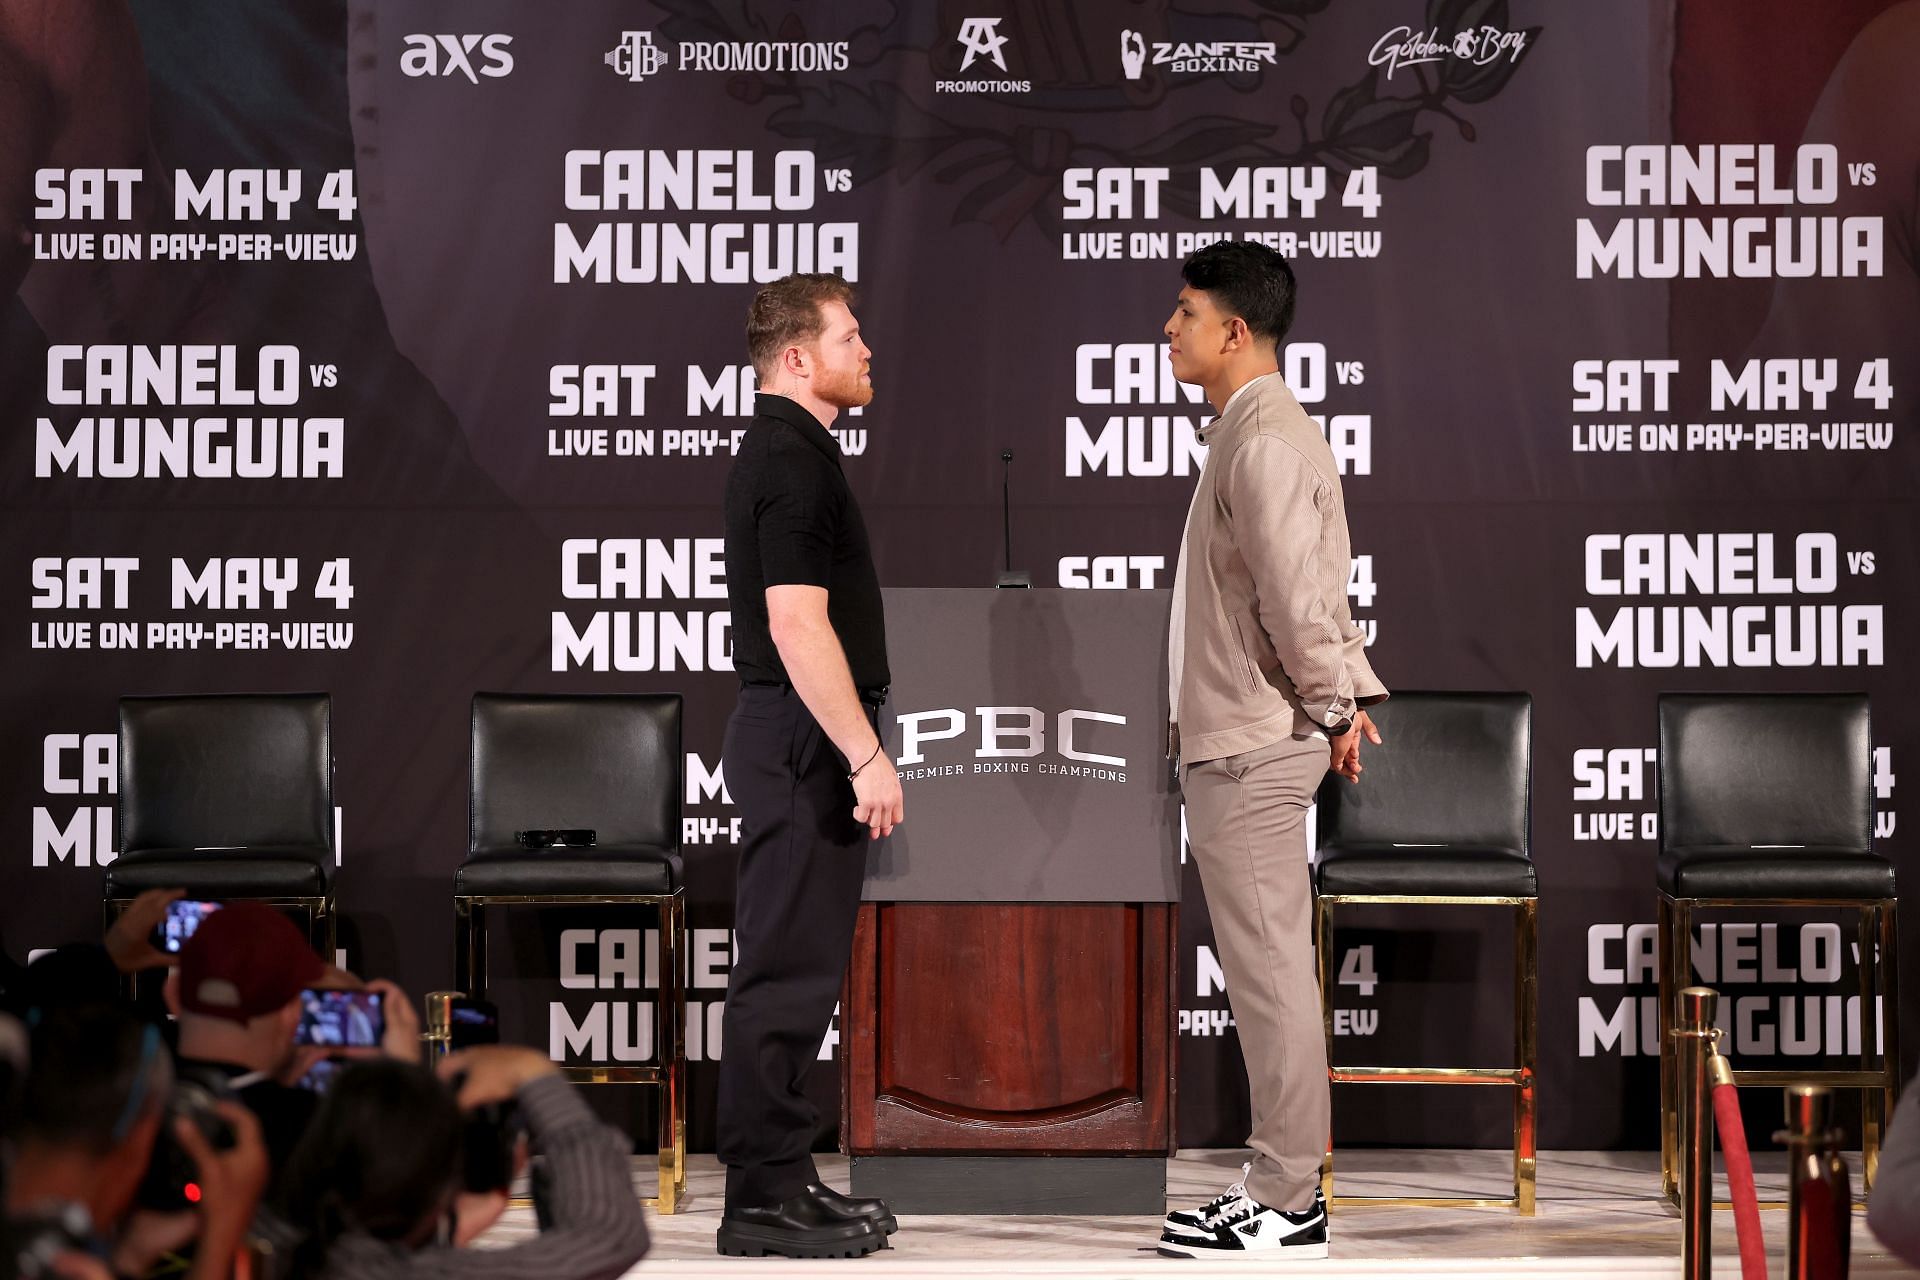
488, 1144
33, 1244
172, 1181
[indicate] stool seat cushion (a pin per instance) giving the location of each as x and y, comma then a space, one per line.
1739, 871
1454, 870
637, 870
275, 871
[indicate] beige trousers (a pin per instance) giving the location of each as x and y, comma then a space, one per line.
1246, 824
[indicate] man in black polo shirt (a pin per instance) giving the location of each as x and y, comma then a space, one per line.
804, 762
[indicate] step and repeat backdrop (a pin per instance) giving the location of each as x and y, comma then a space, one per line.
396, 350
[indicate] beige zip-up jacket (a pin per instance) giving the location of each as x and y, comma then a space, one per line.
1270, 649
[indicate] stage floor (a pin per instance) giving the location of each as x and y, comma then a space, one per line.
1600, 1213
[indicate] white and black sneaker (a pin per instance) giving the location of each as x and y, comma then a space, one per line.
1245, 1228
1188, 1221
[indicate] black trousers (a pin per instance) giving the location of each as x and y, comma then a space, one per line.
802, 860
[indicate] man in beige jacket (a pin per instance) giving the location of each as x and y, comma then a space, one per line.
1268, 675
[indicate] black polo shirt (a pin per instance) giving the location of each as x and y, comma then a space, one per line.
792, 520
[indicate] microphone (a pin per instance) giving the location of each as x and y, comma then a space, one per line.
1009, 576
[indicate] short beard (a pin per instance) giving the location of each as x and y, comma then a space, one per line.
845, 392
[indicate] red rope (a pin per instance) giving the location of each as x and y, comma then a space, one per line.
1746, 1202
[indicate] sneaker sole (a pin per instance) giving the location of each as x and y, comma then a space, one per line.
755, 1242
1278, 1253
1174, 1226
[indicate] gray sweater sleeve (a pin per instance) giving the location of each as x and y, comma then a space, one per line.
1894, 1211
598, 1231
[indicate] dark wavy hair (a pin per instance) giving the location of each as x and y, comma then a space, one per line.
96, 1070
1246, 279
381, 1156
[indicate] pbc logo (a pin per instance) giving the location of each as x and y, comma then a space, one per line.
1006, 733
453, 55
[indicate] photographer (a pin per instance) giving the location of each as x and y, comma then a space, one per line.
398, 1173
98, 1092
237, 993
94, 972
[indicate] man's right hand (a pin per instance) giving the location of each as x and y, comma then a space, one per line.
878, 804
494, 1072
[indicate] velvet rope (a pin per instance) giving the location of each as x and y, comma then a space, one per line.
1746, 1201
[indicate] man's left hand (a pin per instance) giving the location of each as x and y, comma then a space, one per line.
1346, 747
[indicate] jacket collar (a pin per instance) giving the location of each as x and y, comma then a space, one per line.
781, 409
1236, 408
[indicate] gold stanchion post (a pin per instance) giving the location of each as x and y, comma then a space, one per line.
438, 1037
1819, 1190
1696, 1034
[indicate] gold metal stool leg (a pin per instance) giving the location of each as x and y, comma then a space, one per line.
476, 950
330, 929
672, 1133
1669, 1109
1878, 1054
1323, 968
679, 1064
462, 959
1526, 1018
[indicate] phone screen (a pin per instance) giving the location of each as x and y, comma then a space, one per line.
341, 1019
183, 917
473, 1022
319, 1077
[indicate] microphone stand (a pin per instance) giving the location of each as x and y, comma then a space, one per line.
1009, 576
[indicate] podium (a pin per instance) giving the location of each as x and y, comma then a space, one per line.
1007, 1041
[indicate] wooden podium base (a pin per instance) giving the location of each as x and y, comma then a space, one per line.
1014, 1184
1010, 1057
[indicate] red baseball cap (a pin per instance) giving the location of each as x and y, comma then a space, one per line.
244, 960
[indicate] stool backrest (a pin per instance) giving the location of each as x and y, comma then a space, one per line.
238, 770
1744, 769
606, 762
1452, 769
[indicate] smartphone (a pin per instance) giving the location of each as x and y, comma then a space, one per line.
473, 1022
319, 1077
340, 1019
183, 917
